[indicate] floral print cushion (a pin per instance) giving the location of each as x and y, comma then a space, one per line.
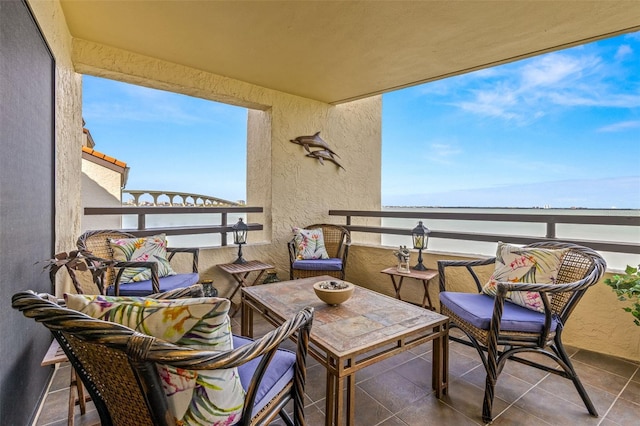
309, 244
150, 249
195, 397
525, 265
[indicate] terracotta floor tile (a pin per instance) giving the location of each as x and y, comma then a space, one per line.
608, 363
397, 392
624, 412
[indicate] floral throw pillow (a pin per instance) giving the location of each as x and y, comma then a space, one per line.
525, 265
150, 249
309, 244
195, 397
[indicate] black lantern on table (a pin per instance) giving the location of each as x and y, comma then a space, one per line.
420, 235
240, 237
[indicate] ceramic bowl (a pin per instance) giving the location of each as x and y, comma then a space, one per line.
332, 296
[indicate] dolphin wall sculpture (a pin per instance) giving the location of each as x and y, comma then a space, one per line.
322, 155
315, 141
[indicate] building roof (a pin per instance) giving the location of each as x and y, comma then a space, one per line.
103, 159
337, 51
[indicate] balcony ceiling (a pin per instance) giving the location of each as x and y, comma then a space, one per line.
340, 51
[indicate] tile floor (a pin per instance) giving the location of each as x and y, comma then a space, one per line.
397, 392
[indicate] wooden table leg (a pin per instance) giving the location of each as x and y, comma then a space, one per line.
330, 400
339, 401
246, 321
440, 362
260, 274
397, 286
241, 282
82, 399
351, 399
72, 398
427, 297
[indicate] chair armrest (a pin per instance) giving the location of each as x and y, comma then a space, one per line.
195, 290
155, 281
171, 251
345, 254
292, 256
467, 264
504, 287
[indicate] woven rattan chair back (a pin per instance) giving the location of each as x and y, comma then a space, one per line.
94, 245
337, 240
127, 390
580, 269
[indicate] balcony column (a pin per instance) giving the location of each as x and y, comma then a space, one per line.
297, 190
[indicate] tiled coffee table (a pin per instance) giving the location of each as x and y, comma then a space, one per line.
367, 328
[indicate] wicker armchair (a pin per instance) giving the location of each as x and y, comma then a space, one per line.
127, 390
337, 240
94, 246
500, 331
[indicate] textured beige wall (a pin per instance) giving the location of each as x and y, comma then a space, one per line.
298, 190
68, 122
100, 188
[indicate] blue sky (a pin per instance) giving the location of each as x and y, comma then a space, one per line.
561, 129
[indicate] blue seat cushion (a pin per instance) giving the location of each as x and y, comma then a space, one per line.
279, 372
145, 288
477, 309
332, 264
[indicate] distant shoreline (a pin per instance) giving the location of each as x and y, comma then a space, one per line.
514, 208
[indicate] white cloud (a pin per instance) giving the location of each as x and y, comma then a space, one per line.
623, 51
524, 91
555, 70
621, 126
443, 152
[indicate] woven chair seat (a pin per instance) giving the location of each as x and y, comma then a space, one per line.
141, 288
477, 310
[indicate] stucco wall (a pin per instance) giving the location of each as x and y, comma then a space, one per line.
100, 188
68, 123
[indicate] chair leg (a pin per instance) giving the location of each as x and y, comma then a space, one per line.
570, 370
286, 417
489, 389
492, 377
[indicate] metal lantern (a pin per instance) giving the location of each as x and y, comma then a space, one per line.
420, 235
240, 237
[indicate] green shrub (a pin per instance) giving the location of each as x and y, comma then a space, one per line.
627, 287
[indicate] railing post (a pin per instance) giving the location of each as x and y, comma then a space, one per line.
223, 236
551, 230
142, 222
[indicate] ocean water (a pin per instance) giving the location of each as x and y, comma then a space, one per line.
616, 261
